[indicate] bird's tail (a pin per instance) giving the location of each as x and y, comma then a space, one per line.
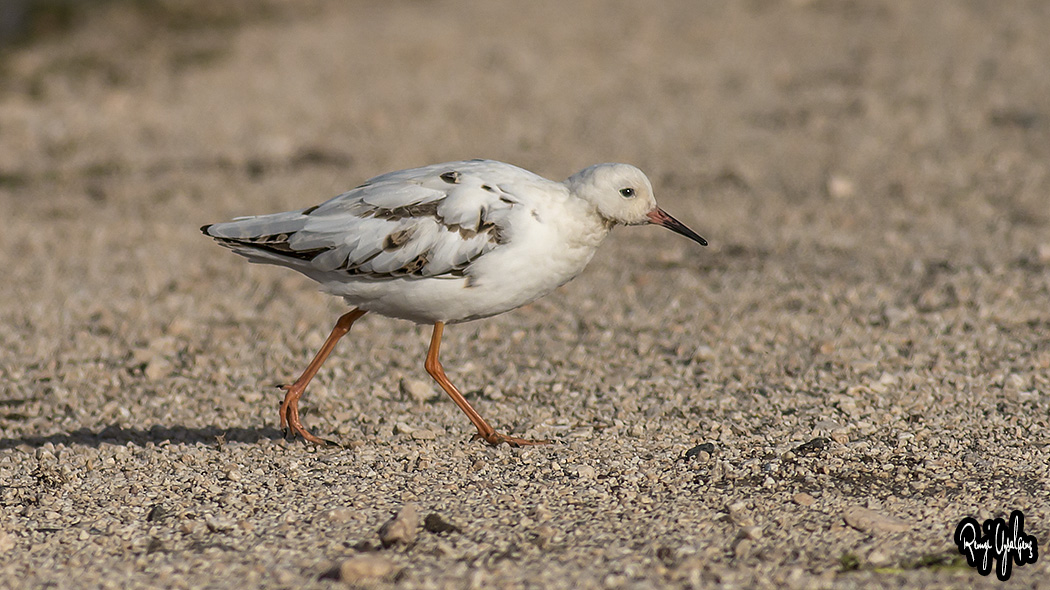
263, 238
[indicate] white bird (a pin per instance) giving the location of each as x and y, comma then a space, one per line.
444, 244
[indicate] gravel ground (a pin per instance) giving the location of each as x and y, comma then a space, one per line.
859, 360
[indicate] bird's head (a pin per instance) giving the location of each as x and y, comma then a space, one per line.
623, 195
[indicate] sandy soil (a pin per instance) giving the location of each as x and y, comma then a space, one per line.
863, 350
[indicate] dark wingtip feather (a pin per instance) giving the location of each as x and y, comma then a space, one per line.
204, 229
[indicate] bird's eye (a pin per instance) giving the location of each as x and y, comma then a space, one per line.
627, 193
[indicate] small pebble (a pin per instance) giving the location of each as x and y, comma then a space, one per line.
703, 353
867, 520
543, 535
701, 451
418, 390
803, 499
341, 515
880, 557
401, 528
362, 569
812, 447
218, 524
156, 512
840, 187
434, 523
1042, 253
366, 567
583, 471
739, 514
157, 369
752, 532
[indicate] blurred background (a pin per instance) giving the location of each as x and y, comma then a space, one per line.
857, 166
873, 176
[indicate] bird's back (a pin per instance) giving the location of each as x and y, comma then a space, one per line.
433, 224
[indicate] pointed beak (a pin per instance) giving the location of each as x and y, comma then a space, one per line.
660, 217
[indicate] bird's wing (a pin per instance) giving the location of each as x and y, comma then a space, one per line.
424, 222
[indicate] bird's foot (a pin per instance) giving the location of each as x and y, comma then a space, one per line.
495, 439
290, 423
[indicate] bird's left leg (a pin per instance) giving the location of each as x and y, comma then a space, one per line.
485, 432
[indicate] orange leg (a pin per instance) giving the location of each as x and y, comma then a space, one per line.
290, 405
486, 432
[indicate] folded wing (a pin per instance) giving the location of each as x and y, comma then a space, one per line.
427, 222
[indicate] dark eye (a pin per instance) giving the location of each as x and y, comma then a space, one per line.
627, 193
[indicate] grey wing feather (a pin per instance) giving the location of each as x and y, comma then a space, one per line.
411, 223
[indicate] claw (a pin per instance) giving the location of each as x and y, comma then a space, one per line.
290, 423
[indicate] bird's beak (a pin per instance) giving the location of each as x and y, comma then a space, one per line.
660, 217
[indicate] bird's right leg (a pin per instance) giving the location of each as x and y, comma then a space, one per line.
290, 423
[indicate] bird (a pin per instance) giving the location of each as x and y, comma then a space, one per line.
445, 244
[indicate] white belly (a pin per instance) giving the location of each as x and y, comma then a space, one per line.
542, 253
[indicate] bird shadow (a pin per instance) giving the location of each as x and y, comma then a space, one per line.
115, 434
